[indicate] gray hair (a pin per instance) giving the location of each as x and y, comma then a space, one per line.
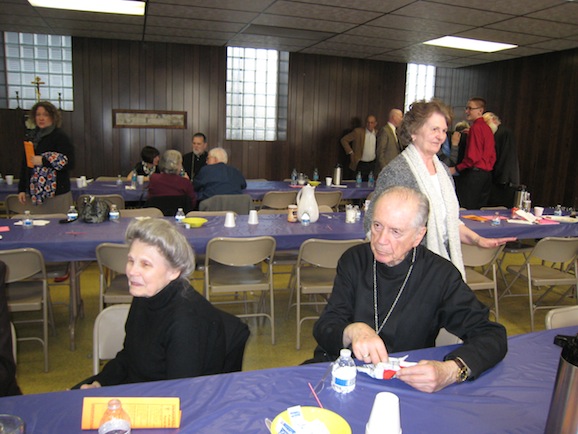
220, 154
167, 239
407, 194
171, 162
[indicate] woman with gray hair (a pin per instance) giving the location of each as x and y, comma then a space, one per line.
170, 182
172, 331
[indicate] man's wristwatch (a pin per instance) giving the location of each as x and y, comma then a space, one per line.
464, 371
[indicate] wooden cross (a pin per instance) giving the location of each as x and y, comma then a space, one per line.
37, 82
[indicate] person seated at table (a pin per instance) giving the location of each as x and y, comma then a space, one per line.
423, 130
197, 159
171, 331
394, 295
8, 383
170, 181
148, 165
217, 177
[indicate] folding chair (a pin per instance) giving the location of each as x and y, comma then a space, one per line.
278, 199
170, 204
551, 249
329, 198
141, 212
238, 267
475, 256
27, 287
562, 317
239, 203
112, 259
108, 334
315, 272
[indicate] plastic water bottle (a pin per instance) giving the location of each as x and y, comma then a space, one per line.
72, 214
180, 216
315, 174
558, 210
358, 180
119, 181
343, 373
27, 221
305, 219
113, 214
294, 177
115, 419
496, 219
133, 180
371, 180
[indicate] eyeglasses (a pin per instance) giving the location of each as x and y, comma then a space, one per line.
468, 108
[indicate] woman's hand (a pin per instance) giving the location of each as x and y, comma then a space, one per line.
36, 160
22, 197
365, 343
490, 243
93, 385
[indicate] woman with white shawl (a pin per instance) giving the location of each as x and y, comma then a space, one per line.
424, 130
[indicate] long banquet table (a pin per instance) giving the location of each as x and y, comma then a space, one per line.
513, 397
77, 241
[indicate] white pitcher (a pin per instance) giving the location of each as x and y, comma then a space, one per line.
306, 203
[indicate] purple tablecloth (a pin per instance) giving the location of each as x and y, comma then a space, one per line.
521, 231
513, 397
257, 189
77, 241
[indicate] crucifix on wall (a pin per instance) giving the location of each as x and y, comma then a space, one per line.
37, 82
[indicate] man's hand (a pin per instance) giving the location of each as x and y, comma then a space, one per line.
93, 385
429, 375
366, 344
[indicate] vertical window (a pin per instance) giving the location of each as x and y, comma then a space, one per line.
257, 93
48, 57
420, 83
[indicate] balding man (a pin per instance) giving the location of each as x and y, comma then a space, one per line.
360, 146
217, 177
388, 146
394, 295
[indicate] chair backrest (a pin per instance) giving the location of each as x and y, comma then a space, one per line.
325, 208
13, 206
111, 199
475, 256
278, 199
324, 253
272, 211
141, 212
239, 203
329, 198
562, 317
41, 216
556, 249
108, 334
22, 263
112, 256
108, 178
7, 340
207, 213
240, 252
169, 204
236, 335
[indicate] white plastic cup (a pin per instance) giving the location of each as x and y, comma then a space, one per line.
79, 182
384, 417
328, 181
140, 179
230, 220
9, 179
538, 210
83, 179
253, 217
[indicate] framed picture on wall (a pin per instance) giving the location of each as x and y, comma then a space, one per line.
149, 119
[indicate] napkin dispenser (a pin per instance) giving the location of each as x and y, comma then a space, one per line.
563, 414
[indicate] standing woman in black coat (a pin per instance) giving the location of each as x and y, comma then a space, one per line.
47, 183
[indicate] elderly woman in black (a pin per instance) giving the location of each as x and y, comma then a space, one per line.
45, 179
171, 331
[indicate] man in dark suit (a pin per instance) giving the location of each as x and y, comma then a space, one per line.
360, 145
194, 161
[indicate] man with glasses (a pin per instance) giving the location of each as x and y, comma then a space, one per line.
475, 180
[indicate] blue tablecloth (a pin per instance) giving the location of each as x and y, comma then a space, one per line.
77, 241
257, 189
513, 397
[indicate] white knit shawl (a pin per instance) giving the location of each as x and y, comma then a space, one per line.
448, 199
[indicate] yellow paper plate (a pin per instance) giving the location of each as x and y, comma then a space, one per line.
314, 183
195, 222
335, 424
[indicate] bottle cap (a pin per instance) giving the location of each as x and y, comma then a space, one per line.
345, 352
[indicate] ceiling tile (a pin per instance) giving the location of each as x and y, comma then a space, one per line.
536, 27
302, 23
329, 13
451, 14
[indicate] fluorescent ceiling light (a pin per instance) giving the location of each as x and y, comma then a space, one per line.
469, 44
126, 7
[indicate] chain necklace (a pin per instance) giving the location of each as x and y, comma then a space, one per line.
375, 304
